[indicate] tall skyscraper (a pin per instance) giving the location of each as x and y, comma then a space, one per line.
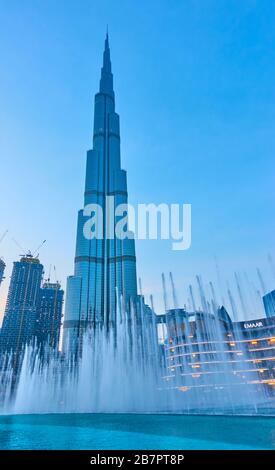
2, 269
103, 267
49, 313
21, 309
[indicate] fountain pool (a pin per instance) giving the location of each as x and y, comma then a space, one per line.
135, 431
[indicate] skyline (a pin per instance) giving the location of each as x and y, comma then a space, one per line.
239, 125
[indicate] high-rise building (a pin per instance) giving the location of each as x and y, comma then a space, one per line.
2, 269
105, 269
21, 309
49, 314
269, 304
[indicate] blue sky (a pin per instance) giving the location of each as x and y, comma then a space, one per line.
194, 82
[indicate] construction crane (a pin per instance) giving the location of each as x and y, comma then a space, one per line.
1, 239
55, 275
29, 253
49, 275
3, 236
18, 245
38, 248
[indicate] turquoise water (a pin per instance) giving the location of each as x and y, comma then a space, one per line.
124, 431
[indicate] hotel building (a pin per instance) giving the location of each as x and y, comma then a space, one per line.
203, 351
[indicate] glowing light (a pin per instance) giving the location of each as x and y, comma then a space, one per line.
195, 366
221, 342
183, 389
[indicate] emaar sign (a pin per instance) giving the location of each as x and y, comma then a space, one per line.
256, 324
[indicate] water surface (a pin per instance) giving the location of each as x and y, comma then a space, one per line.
135, 431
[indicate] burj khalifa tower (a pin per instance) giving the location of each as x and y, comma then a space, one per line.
104, 268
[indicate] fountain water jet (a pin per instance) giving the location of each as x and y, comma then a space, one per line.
121, 367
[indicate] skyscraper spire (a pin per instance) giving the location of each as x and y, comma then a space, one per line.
106, 80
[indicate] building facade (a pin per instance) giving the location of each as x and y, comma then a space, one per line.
205, 351
49, 315
257, 338
105, 266
2, 270
22, 302
269, 304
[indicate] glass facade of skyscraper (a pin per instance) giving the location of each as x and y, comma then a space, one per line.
49, 313
2, 269
23, 299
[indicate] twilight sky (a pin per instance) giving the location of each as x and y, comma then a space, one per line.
194, 83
